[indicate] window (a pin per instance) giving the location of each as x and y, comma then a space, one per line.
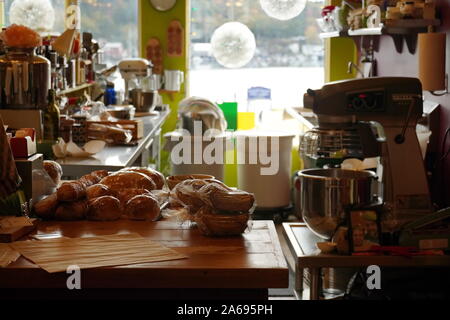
113, 24
288, 58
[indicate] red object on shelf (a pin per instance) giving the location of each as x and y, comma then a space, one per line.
23, 147
326, 10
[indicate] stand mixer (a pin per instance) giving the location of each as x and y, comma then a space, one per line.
348, 113
134, 69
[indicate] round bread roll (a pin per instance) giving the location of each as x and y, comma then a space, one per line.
54, 170
104, 208
71, 211
125, 195
156, 176
143, 207
128, 180
98, 190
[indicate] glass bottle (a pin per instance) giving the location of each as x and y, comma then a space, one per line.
51, 118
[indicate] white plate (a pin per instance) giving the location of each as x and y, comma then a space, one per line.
163, 5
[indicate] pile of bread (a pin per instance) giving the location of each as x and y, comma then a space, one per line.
102, 196
217, 209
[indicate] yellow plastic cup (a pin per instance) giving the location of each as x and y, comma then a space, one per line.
246, 120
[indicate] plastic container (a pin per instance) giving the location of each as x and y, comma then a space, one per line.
182, 163
271, 187
110, 95
230, 111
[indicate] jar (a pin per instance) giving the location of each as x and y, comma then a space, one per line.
25, 78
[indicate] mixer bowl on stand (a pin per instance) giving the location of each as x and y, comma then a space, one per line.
325, 193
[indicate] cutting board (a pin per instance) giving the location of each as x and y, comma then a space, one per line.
14, 233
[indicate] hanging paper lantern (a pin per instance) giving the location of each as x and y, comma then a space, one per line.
38, 15
283, 9
233, 45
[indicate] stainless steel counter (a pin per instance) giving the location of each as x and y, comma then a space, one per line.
115, 157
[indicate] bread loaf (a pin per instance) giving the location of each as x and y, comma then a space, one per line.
128, 180
104, 208
45, 208
100, 174
71, 191
71, 211
99, 190
156, 176
187, 192
143, 207
211, 223
125, 195
220, 198
88, 180
54, 170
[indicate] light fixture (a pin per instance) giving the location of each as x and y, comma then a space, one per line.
233, 45
38, 15
282, 9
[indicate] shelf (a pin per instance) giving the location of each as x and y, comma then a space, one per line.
398, 29
333, 34
366, 32
76, 89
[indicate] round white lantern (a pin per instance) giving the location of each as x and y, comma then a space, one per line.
233, 45
283, 9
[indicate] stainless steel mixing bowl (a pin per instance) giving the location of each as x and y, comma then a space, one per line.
326, 192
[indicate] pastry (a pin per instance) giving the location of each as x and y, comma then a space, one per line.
104, 208
71, 191
128, 180
71, 211
186, 192
89, 180
54, 170
127, 194
100, 174
98, 190
211, 223
143, 207
45, 208
220, 198
156, 176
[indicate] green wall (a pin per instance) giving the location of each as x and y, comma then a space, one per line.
154, 23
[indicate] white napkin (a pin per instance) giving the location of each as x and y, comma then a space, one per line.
70, 149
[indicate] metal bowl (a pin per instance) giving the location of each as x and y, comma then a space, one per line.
324, 194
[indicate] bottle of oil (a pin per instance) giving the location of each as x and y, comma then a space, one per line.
51, 118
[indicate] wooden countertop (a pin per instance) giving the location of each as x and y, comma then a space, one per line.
253, 260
